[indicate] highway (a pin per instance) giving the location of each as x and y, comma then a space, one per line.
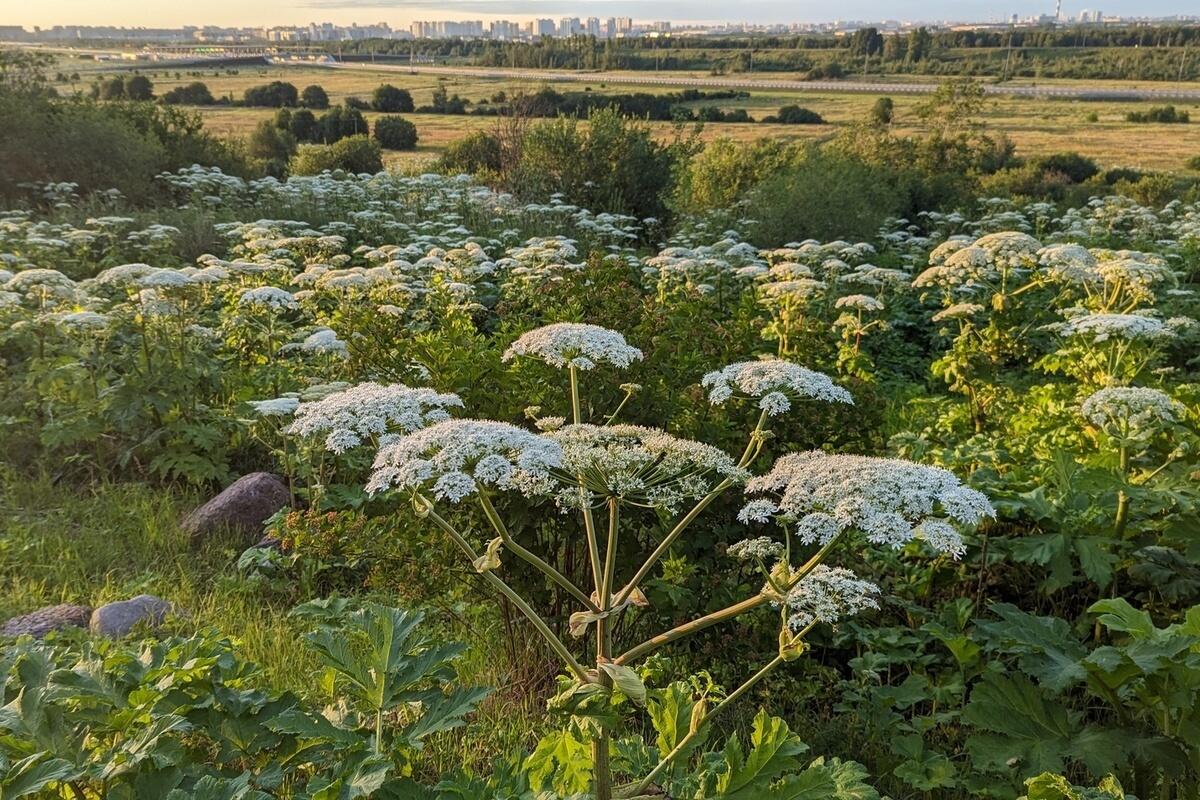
755, 85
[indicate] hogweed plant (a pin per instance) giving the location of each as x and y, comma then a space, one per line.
816, 504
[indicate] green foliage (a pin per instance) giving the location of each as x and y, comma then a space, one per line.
195, 93
352, 154
314, 97
1167, 114
477, 153
270, 148
395, 133
826, 195
390, 100
276, 94
795, 115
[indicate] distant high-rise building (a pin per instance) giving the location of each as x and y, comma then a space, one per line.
610, 28
624, 24
593, 26
543, 27
568, 26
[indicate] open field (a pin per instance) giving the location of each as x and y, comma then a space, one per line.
1037, 127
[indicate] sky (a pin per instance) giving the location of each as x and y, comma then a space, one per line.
174, 13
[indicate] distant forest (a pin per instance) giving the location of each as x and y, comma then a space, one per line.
1166, 52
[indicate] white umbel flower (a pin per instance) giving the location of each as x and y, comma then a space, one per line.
1130, 411
859, 302
774, 382
1102, 327
958, 311
268, 297
369, 410
276, 407
452, 459
828, 594
644, 466
885, 499
577, 345
761, 548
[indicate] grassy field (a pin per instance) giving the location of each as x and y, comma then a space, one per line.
1037, 127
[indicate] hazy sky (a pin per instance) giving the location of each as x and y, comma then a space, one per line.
400, 12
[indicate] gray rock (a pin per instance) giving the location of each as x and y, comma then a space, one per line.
51, 618
242, 507
117, 619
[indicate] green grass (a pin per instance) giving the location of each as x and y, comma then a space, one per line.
109, 541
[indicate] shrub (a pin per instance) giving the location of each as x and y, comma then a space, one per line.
138, 87
270, 148
356, 103
477, 152
1167, 114
304, 126
1075, 166
391, 100
883, 112
1194, 163
314, 97
395, 133
825, 196
340, 122
276, 94
112, 89
191, 94
353, 154
795, 115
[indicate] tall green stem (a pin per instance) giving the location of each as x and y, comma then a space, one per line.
493, 516
686, 741
601, 766
555, 643
1122, 496
576, 410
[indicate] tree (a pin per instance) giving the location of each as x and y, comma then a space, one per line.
303, 125
353, 154
192, 94
270, 147
795, 115
314, 97
112, 89
275, 94
139, 87
883, 112
391, 100
340, 122
395, 133
477, 152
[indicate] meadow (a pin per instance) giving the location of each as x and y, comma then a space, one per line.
569, 463
1037, 127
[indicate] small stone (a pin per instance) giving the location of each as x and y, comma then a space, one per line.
118, 619
51, 618
243, 507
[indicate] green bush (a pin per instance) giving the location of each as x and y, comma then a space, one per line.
391, 100
270, 148
477, 152
276, 94
139, 87
340, 122
1168, 114
883, 112
795, 115
352, 154
395, 133
825, 196
314, 97
191, 94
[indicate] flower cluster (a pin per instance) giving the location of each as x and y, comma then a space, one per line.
644, 466
371, 411
1130, 412
760, 548
1102, 327
452, 459
774, 382
574, 344
828, 594
890, 501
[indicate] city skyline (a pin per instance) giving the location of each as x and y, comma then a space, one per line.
401, 14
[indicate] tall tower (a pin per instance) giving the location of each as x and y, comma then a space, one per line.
1058, 11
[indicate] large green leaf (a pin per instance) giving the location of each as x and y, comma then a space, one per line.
1023, 728
1048, 651
32, 775
773, 751
824, 780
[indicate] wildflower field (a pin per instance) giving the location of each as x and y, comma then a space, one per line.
545, 503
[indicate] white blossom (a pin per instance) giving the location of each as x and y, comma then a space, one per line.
370, 410
451, 459
572, 344
1131, 412
828, 594
269, 297
761, 548
884, 499
774, 382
